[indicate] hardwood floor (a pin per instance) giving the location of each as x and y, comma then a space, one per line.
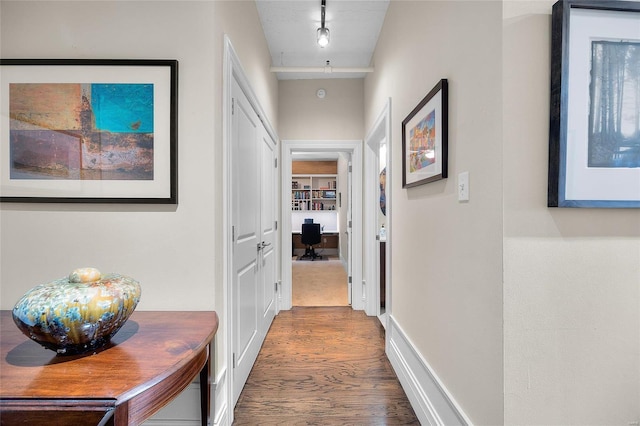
323, 366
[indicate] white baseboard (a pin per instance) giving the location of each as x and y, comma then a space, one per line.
219, 390
432, 403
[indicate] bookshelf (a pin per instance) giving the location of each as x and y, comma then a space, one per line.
313, 192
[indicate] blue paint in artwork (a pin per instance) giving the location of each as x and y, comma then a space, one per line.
123, 108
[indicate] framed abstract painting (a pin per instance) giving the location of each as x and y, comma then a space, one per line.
88, 131
425, 139
594, 135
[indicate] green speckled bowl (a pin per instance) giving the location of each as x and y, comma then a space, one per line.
78, 313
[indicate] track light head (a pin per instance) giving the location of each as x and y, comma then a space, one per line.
323, 36
323, 32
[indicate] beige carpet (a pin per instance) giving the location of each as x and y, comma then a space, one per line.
319, 283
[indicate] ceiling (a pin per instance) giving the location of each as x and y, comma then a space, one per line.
290, 28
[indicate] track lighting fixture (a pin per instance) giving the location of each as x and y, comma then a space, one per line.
323, 32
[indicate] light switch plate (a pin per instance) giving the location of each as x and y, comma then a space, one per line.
463, 186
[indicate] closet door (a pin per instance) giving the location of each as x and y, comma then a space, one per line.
254, 243
268, 217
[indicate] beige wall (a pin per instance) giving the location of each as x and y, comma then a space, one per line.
174, 251
571, 276
304, 116
447, 256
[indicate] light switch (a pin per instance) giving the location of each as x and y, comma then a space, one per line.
463, 186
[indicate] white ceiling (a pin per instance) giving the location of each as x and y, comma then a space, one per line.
290, 27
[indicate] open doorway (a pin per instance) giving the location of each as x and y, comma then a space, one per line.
319, 216
327, 199
377, 217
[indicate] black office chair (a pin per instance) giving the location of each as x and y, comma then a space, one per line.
311, 235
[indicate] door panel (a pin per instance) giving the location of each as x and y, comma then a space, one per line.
246, 223
247, 320
349, 236
269, 218
268, 303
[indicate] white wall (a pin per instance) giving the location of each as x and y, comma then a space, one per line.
447, 256
326, 218
304, 116
571, 276
174, 251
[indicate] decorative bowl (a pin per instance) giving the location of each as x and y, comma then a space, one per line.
78, 313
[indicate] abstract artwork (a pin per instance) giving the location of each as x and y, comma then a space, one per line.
89, 131
81, 131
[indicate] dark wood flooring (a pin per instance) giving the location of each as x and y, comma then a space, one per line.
323, 366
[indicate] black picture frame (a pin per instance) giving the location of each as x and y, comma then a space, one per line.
425, 138
89, 131
589, 164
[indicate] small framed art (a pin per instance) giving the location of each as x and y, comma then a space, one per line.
594, 134
424, 139
88, 131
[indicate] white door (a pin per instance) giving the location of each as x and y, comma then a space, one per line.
253, 251
349, 235
268, 209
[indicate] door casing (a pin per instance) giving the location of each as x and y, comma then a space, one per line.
379, 133
355, 148
223, 390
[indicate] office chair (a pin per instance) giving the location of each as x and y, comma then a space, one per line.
310, 236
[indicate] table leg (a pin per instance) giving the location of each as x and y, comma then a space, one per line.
205, 390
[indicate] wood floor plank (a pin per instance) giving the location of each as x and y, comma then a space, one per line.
323, 366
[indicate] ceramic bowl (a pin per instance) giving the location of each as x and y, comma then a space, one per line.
78, 313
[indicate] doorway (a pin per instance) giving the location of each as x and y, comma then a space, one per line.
319, 214
349, 232
377, 218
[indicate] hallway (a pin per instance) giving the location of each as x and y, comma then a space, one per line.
323, 366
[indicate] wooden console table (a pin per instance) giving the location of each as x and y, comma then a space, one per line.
153, 357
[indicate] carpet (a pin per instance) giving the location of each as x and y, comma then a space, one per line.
319, 283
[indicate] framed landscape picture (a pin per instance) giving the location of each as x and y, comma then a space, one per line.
594, 140
89, 131
424, 139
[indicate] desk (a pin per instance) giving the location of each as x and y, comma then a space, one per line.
330, 242
153, 357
